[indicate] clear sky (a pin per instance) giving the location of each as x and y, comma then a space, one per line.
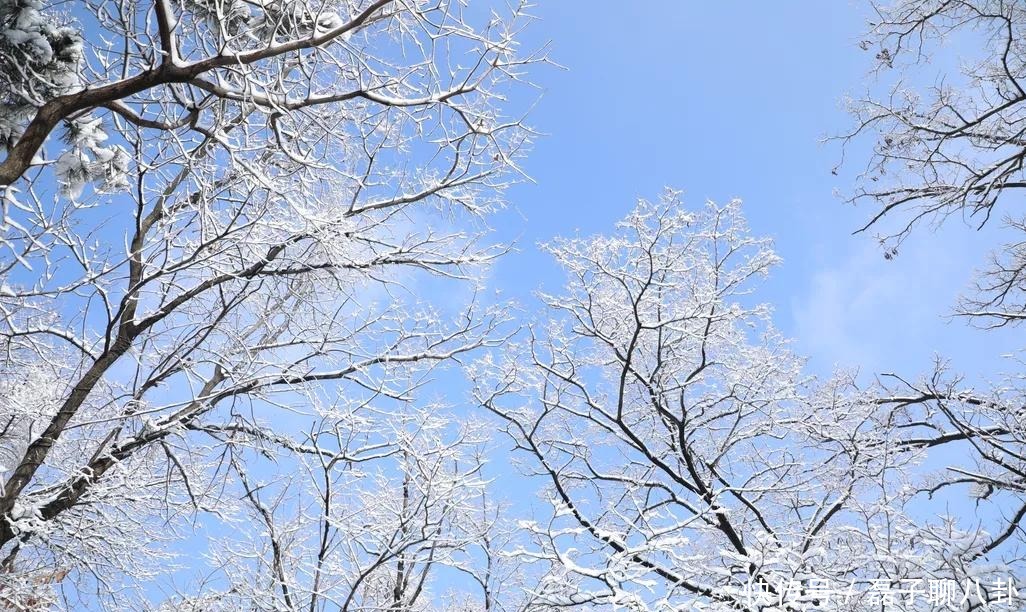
734, 99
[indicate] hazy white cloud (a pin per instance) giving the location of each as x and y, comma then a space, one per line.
863, 310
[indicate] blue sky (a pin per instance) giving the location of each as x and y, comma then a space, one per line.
735, 99
731, 99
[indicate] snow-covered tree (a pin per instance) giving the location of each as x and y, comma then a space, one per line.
691, 465
946, 113
218, 222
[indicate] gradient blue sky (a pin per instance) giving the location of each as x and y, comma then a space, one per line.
734, 99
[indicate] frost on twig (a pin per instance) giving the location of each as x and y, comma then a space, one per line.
689, 462
218, 223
